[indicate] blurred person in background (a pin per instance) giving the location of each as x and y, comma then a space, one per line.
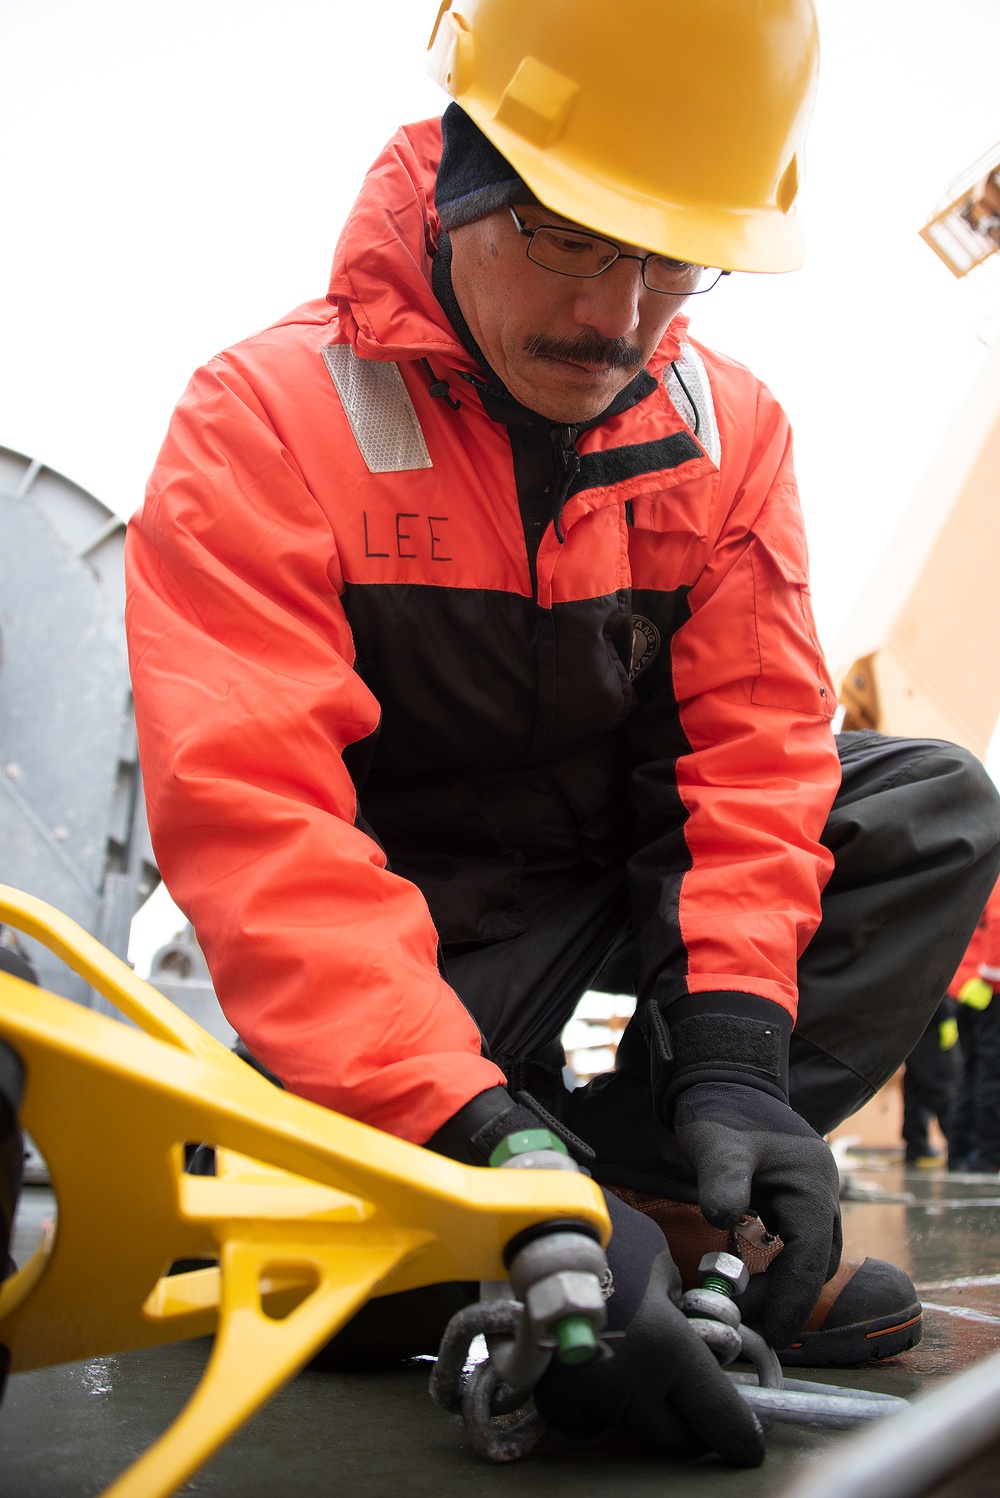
930, 1079
974, 1139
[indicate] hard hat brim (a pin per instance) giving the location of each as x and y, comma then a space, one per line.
750, 239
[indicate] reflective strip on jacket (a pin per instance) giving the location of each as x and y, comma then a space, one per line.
329, 589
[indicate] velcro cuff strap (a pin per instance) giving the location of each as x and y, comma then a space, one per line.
735, 1038
515, 1120
727, 1040
580, 1151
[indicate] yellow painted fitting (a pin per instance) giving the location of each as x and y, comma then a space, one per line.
310, 1215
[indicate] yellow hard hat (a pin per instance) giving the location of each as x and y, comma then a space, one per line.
676, 125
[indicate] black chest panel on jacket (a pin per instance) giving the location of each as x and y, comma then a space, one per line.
508, 737
508, 731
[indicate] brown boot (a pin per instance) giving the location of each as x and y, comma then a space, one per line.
869, 1309
690, 1235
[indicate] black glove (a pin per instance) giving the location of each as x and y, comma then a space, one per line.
471, 1134
661, 1382
751, 1151
721, 1081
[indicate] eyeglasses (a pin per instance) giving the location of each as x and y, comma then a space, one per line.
573, 252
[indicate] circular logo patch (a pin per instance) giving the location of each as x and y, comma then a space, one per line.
645, 644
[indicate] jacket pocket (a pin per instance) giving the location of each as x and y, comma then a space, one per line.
667, 537
793, 673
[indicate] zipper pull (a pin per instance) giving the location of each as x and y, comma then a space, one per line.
571, 467
439, 389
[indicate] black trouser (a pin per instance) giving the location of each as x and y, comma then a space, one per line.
915, 834
929, 1084
974, 1143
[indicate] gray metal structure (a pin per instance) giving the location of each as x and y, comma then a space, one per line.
72, 815
71, 823
180, 972
934, 1441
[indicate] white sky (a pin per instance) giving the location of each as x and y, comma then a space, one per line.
176, 176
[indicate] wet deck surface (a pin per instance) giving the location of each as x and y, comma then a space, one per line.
68, 1432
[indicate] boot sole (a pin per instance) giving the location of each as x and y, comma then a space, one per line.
865, 1341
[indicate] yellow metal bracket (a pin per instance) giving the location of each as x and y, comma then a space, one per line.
309, 1215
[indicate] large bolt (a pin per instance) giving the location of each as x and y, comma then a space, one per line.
569, 1307
577, 1343
534, 1149
725, 1273
563, 1299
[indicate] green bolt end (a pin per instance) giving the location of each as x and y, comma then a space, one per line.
526, 1143
717, 1282
576, 1343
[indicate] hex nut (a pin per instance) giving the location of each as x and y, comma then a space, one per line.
729, 1267
568, 1293
524, 1142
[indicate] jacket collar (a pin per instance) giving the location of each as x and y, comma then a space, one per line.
381, 281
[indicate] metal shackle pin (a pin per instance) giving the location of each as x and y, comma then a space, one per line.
724, 1276
712, 1307
557, 1276
715, 1316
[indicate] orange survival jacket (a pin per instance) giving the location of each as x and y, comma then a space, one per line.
346, 644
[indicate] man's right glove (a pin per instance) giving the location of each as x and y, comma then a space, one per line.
661, 1382
720, 1081
752, 1152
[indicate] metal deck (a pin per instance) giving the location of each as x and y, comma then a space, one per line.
68, 1432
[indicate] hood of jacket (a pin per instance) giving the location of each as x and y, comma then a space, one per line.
380, 283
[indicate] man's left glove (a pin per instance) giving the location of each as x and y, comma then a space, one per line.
753, 1152
660, 1383
720, 1080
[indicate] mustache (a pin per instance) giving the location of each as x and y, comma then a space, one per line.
589, 348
